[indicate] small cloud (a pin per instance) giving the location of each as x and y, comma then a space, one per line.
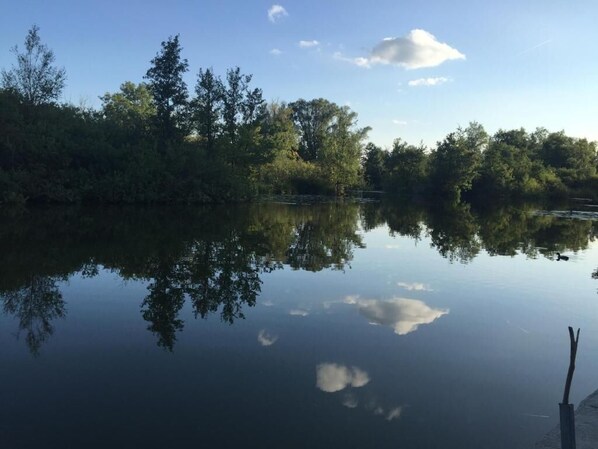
428, 81
351, 299
418, 49
276, 52
298, 312
415, 286
308, 44
402, 123
276, 12
266, 339
267, 303
331, 377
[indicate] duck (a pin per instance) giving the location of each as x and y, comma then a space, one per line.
559, 257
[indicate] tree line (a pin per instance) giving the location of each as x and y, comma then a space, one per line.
155, 141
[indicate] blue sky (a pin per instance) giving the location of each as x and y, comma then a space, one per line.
505, 64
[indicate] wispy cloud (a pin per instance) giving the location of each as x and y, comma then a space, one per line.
298, 312
276, 12
266, 339
541, 44
418, 49
276, 52
415, 286
308, 44
331, 377
428, 81
402, 123
361, 62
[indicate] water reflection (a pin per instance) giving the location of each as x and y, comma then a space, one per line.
215, 258
331, 377
36, 304
404, 315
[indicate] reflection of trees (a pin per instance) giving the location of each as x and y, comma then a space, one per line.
36, 305
215, 257
325, 237
453, 231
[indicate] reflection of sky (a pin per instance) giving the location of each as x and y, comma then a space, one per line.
265, 338
505, 344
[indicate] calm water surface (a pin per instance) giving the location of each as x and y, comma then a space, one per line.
291, 326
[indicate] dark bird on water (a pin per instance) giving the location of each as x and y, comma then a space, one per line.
559, 257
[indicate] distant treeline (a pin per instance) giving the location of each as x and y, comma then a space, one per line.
156, 142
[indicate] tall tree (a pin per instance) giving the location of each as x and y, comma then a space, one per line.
34, 77
165, 80
313, 119
236, 86
374, 162
207, 107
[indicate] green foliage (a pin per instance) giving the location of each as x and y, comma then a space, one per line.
169, 90
34, 77
407, 169
150, 142
374, 163
456, 161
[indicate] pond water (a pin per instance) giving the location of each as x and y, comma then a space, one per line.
292, 325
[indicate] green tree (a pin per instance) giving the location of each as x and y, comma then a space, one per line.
207, 108
165, 81
407, 168
132, 107
313, 120
457, 159
34, 77
374, 163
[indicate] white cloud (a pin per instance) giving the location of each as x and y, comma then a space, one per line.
266, 339
298, 312
276, 52
308, 44
402, 314
428, 81
417, 50
331, 377
276, 12
402, 123
417, 286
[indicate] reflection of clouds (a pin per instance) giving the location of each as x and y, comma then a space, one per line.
331, 377
395, 413
417, 286
298, 312
266, 339
350, 401
402, 314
